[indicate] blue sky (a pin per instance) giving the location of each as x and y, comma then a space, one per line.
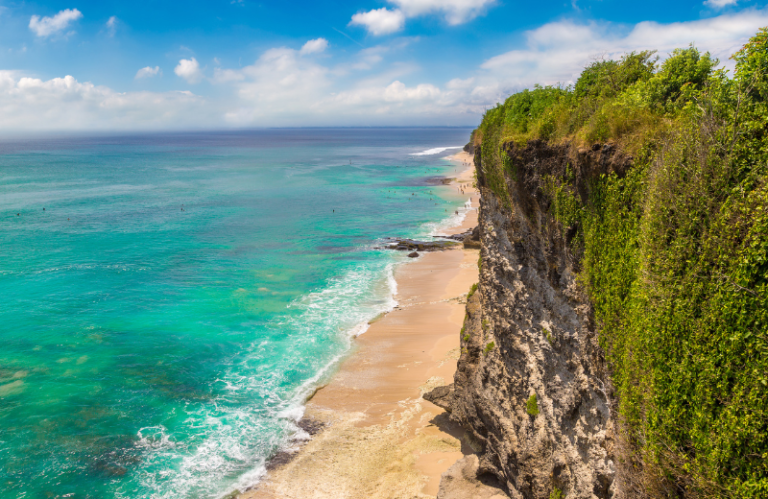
88, 65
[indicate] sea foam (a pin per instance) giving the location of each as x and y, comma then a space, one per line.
435, 150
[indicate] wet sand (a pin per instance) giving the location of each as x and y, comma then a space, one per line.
381, 439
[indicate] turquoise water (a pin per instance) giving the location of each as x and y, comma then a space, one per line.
167, 312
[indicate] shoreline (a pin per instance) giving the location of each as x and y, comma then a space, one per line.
379, 438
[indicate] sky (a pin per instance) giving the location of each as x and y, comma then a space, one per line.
87, 65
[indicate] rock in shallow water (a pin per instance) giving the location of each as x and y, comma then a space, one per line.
404, 244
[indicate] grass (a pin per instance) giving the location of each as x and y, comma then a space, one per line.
673, 253
532, 406
490, 346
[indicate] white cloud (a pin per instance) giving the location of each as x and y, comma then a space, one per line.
281, 85
455, 11
284, 87
719, 4
379, 21
189, 69
111, 25
314, 46
557, 52
47, 26
147, 72
227, 75
384, 21
398, 92
65, 104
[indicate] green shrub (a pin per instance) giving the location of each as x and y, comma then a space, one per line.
682, 76
523, 108
556, 494
532, 406
609, 78
673, 253
472, 290
490, 346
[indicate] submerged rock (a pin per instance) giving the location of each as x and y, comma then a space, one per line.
404, 244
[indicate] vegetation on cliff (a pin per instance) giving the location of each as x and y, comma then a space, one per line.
673, 251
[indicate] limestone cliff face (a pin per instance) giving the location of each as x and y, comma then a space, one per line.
531, 386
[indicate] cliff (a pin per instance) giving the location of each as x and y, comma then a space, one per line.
615, 345
529, 335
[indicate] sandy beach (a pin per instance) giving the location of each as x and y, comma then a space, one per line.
380, 438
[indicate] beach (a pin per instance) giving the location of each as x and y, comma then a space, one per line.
219, 280
378, 437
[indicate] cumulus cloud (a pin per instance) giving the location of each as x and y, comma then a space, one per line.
65, 104
557, 52
147, 72
47, 26
189, 69
280, 85
454, 11
284, 87
384, 21
314, 46
719, 4
379, 21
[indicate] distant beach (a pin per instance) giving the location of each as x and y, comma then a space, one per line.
377, 437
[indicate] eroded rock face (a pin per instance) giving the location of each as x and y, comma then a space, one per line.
461, 481
528, 333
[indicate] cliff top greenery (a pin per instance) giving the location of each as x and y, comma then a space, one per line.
612, 100
672, 252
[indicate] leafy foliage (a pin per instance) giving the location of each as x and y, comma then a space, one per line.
673, 253
681, 78
490, 346
532, 406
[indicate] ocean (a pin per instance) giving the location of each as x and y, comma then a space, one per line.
170, 300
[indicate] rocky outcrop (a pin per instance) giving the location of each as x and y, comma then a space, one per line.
404, 244
442, 396
472, 240
531, 387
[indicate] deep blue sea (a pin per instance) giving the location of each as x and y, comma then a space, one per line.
169, 301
